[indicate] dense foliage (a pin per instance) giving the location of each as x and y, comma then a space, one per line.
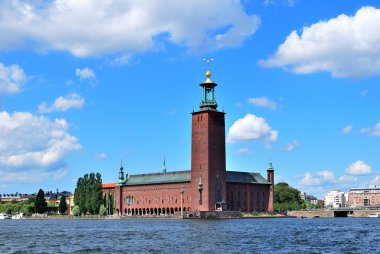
76, 211
62, 205
287, 198
40, 204
102, 210
18, 207
88, 193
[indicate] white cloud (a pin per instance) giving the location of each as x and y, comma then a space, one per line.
376, 180
244, 150
375, 131
101, 156
11, 79
263, 102
118, 27
33, 176
363, 93
33, 146
251, 128
85, 73
277, 2
347, 129
345, 46
359, 168
347, 179
62, 104
318, 178
291, 146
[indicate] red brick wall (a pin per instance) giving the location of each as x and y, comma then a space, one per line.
158, 197
208, 155
248, 197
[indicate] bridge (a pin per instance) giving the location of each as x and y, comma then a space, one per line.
337, 212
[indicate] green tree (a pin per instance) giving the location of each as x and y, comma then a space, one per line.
88, 193
287, 197
40, 204
76, 210
62, 205
102, 210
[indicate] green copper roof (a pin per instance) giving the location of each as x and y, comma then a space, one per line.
245, 177
159, 178
185, 176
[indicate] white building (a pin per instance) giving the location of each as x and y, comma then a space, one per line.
336, 199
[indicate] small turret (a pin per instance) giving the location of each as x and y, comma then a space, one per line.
164, 167
122, 180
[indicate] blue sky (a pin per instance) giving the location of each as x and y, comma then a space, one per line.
84, 83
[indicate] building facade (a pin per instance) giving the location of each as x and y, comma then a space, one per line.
206, 187
362, 197
335, 199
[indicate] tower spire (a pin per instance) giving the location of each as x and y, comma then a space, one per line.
164, 167
208, 96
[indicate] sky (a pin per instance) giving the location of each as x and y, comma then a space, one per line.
86, 84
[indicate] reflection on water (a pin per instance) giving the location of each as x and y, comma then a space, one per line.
334, 235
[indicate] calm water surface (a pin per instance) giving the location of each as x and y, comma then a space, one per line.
335, 235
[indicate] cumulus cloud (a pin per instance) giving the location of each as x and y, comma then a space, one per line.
290, 3
359, 168
263, 102
244, 150
345, 46
33, 144
62, 104
85, 73
317, 178
95, 27
251, 128
11, 79
347, 179
101, 156
292, 145
347, 129
375, 131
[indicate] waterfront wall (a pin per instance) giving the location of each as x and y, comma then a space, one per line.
330, 213
312, 214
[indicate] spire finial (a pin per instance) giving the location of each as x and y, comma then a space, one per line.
208, 73
164, 168
270, 162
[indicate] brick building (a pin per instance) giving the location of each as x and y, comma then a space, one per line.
206, 187
360, 197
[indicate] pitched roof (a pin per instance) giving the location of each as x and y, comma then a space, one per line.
159, 178
108, 185
185, 176
245, 177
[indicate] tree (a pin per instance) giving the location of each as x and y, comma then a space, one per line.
76, 211
287, 197
40, 204
102, 210
88, 193
62, 205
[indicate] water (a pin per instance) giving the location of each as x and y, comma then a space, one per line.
334, 235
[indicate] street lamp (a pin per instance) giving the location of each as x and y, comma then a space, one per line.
182, 191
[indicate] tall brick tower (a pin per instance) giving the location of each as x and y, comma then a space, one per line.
208, 153
270, 178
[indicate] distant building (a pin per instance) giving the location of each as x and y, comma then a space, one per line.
310, 198
361, 197
208, 186
18, 197
335, 199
